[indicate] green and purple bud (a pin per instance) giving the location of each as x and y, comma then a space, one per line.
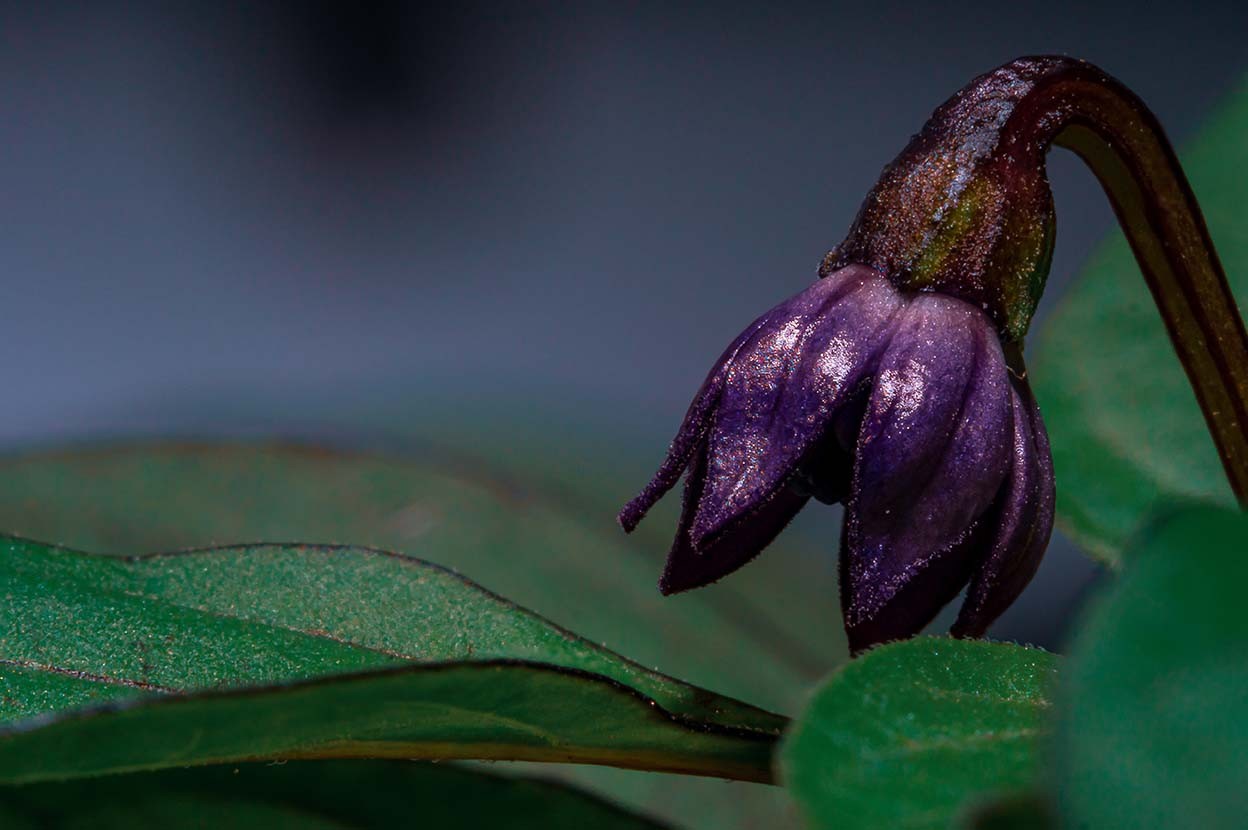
895, 384
966, 209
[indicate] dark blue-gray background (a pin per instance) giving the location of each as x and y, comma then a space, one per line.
330, 217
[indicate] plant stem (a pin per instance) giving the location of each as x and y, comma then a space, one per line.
1081, 108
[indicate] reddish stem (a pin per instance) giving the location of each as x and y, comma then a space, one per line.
1085, 110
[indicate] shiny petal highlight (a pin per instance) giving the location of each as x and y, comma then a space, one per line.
784, 388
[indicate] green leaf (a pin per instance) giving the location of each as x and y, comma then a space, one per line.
338, 795
1154, 731
914, 732
1127, 434
358, 653
552, 546
552, 552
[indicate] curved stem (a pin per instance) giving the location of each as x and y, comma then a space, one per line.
966, 209
1109, 127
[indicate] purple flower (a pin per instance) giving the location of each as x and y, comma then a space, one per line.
900, 404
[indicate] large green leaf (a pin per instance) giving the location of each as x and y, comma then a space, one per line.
335, 795
559, 555
553, 546
1127, 434
357, 652
915, 732
1154, 731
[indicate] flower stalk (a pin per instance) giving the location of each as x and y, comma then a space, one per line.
1109, 127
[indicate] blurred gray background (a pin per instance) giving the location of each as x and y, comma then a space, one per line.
497, 221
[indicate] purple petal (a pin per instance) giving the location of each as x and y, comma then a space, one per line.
782, 392
692, 430
933, 451
682, 559
1022, 522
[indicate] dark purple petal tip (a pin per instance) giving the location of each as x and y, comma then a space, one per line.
689, 568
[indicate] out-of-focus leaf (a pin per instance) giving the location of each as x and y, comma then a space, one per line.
915, 732
1127, 433
166, 651
1154, 730
342, 795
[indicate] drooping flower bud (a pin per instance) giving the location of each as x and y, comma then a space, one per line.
895, 384
899, 404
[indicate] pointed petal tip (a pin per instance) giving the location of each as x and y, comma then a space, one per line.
683, 447
677, 580
680, 580
632, 513
689, 566
630, 516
